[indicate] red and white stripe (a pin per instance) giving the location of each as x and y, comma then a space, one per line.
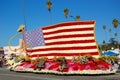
67, 39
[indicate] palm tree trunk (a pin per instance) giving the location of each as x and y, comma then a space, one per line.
50, 17
24, 14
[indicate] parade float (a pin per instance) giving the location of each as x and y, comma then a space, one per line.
64, 48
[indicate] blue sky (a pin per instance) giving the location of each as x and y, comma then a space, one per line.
37, 15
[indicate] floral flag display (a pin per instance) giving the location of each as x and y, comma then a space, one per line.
64, 39
65, 48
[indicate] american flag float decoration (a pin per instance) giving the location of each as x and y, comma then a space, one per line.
64, 39
71, 43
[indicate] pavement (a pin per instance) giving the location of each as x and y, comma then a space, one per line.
11, 75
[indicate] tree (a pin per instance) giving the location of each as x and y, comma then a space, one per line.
49, 4
116, 35
110, 31
104, 42
77, 18
103, 45
104, 28
66, 12
113, 43
115, 23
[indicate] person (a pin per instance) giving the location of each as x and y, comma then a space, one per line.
118, 63
1, 62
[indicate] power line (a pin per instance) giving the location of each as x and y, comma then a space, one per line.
23, 11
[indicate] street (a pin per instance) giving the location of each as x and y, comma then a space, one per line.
11, 75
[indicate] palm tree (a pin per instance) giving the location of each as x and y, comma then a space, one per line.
104, 42
66, 12
116, 35
77, 18
104, 28
110, 31
49, 4
115, 23
23, 12
104, 45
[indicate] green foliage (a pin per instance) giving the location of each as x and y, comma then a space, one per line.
66, 12
104, 27
49, 4
115, 23
77, 18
